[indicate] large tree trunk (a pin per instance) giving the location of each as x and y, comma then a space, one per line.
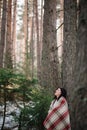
0, 17
49, 49
69, 43
69, 48
3, 30
8, 53
80, 93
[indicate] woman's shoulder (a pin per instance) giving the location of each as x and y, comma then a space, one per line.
52, 102
62, 99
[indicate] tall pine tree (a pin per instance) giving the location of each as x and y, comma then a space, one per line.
49, 49
80, 94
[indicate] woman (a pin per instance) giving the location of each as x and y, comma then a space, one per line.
58, 114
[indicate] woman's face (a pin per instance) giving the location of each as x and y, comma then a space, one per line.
57, 92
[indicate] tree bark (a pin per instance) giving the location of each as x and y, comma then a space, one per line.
0, 17
14, 32
3, 31
8, 52
41, 37
50, 77
69, 44
69, 49
37, 42
80, 92
26, 66
32, 48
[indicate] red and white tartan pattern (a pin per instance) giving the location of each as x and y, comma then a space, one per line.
58, 118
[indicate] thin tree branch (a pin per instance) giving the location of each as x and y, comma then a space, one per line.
59, 11
60, 26
55, 48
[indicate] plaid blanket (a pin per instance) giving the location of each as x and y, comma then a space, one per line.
58, 118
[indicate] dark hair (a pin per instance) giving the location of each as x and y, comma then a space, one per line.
63, 93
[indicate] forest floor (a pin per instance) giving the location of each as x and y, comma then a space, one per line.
12, 111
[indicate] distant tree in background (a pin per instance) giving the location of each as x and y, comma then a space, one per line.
0, 15
41, 30
32, 53
38, 42
3, 31
14, 32
8, 49
26, 37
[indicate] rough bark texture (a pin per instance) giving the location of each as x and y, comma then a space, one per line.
49, 49
69, 48
69, 43
8, 53
3, 30
0, 16
80, 93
